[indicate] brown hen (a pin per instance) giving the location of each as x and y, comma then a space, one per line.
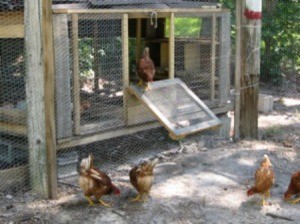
264, 180
145, 69
294, 188
94, 182
141, 177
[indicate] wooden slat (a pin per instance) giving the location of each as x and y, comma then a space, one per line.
76, 84
40, 97
11, 25
14, 116
13, 129
83, 140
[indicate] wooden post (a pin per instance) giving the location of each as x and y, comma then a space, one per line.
40, 96
237, 77
76, 84
250, 70
97, 69
138, 39
125, 64
172, 47
213, 58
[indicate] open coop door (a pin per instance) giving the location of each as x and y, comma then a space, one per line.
178, 109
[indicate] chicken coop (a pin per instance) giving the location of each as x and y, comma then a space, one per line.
90, 97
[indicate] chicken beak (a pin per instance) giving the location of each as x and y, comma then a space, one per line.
154, 162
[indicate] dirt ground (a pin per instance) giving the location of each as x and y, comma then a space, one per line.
203, 181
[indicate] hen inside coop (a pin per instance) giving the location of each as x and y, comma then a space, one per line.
99, 53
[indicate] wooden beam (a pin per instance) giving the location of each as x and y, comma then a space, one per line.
134, 11
172, 47
83, 140
40, 97
76, 84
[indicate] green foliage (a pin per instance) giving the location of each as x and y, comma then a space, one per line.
185, 27
281, 41
280, 38
86, 57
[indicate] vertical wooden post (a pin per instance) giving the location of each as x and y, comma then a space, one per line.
125, 63
64, 123
213, 58
76, 84
237, 77
250, 70
223, 70
97, 69
138, 39
40, 96
172, 47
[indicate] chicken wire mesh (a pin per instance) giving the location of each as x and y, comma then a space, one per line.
13, 141
89, 66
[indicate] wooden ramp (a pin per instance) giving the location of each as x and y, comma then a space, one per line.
178, 109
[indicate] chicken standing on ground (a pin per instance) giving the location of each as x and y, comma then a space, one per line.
145, 69
294, 188
141, 177
264, 180
94, 182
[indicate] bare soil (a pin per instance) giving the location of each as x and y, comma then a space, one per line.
203, 181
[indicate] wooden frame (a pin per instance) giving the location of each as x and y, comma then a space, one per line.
175, 132
128, 104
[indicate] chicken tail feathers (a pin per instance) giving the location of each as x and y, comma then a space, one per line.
87, 163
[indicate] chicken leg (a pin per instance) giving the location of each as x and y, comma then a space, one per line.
140, 197
91, 203
263, 201
140, 83
104, 203
137, 198
268, 194
294, 201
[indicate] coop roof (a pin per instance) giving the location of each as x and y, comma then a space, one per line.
178, 109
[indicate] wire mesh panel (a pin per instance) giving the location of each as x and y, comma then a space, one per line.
202, 49
13, 114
